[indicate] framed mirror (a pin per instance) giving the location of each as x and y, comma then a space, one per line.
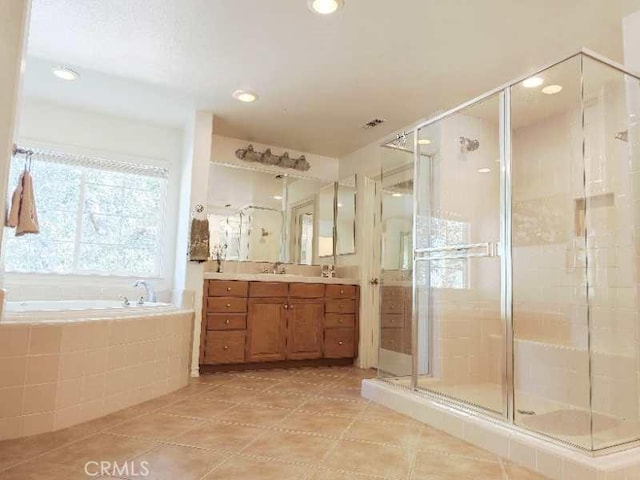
346, 216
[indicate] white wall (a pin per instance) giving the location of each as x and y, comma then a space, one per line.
14, 22
56, 127
631, 40
223, 151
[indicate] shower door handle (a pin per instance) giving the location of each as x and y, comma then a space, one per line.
452, 252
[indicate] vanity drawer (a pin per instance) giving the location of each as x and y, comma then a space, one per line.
224, 347
341, 291
268, 289
226, 305
340, 306
339, 342
392, 320
392, 339
393, 306
332, 320
306, 290
393, 293
220, 288
232, 321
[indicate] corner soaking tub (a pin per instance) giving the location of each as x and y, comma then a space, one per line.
72, 310
74, 361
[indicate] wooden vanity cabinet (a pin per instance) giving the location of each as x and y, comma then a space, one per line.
257, 322
266, 329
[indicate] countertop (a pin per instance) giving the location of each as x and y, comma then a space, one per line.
270, 277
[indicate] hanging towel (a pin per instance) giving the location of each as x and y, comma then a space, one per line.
199, 241
14, 212
27, 215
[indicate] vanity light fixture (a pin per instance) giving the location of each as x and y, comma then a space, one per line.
552, 89
533, 82
340, 205
396, 194
325, 7
424, 141
65, 73
484, 170
277, 197
246, 96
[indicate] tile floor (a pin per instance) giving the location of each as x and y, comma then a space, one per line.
302, 424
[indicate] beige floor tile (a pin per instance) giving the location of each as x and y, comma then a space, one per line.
436, 466
298, 388
314, 379
255, 383
200, 407
220, 436
377, 412
98, 448
44, 471
515, 472
254, 415
232, 394
241, 468
370, 459
275, 399
435, 440
330, 406
293, 447
338, 391
214, 379
328, 474
312, 423
276, 373
406, 436
171, 462
156, 426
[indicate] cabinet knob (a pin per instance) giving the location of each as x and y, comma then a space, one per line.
228, 289
340, 343
228, 305
339, 320
226, 347
227, 321
286, 307
341, 292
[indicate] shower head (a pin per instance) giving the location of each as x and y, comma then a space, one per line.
623, 135
468, 145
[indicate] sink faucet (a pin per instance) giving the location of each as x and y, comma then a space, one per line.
150, 292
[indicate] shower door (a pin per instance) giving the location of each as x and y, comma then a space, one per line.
458, 274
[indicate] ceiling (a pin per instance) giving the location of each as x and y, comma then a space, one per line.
319, 78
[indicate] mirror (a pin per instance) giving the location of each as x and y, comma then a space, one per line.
346, 217
264, 217
397, 219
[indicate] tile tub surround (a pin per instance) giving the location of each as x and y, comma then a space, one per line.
254, 425
55, 375
540, 456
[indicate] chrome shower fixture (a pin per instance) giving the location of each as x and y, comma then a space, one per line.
623, 135
468, 145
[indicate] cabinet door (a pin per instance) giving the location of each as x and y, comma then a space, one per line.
304, 330
266, 329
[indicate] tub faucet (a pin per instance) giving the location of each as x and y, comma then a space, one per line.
150, 292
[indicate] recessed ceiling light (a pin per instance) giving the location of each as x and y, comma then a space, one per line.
246, 96
533, 82
65, 73
424, 141
278, 197
552, 89
484, 170
325, 7
396, 194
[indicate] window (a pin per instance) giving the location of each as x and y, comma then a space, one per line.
452, 272
96, 216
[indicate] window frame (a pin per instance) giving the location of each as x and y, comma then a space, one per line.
160, 267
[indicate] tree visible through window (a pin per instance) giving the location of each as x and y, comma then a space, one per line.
104, 219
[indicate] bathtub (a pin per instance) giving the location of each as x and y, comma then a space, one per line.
73, 310
68, 362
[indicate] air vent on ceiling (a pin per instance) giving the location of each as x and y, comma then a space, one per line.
373, 123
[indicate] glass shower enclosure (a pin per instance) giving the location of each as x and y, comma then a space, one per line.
513, 226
